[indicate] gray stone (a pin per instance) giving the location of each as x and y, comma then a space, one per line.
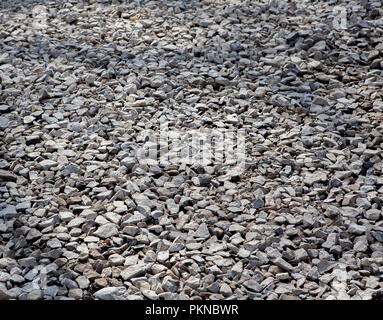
283, 264
202, 232
170, 285
3, 123
8, 212
33, 234
107, 230
111, 293
7, 175
360, 244
252, 285
134, 271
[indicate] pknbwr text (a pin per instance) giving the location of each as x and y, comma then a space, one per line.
213, 309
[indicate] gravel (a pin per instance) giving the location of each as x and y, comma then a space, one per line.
93, 205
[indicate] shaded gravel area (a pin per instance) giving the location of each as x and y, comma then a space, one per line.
85, 84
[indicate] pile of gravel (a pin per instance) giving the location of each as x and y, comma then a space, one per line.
85, 85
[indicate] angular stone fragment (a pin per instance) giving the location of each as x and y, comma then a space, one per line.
47, 164
110, 293
202, 232
283, 264
134, 271
105, 231
360, 244
3, 123
7, 175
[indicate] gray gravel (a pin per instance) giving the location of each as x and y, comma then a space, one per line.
86, 85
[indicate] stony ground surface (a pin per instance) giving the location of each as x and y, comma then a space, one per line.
82, 217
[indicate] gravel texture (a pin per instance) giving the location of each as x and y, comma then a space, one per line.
85, 84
